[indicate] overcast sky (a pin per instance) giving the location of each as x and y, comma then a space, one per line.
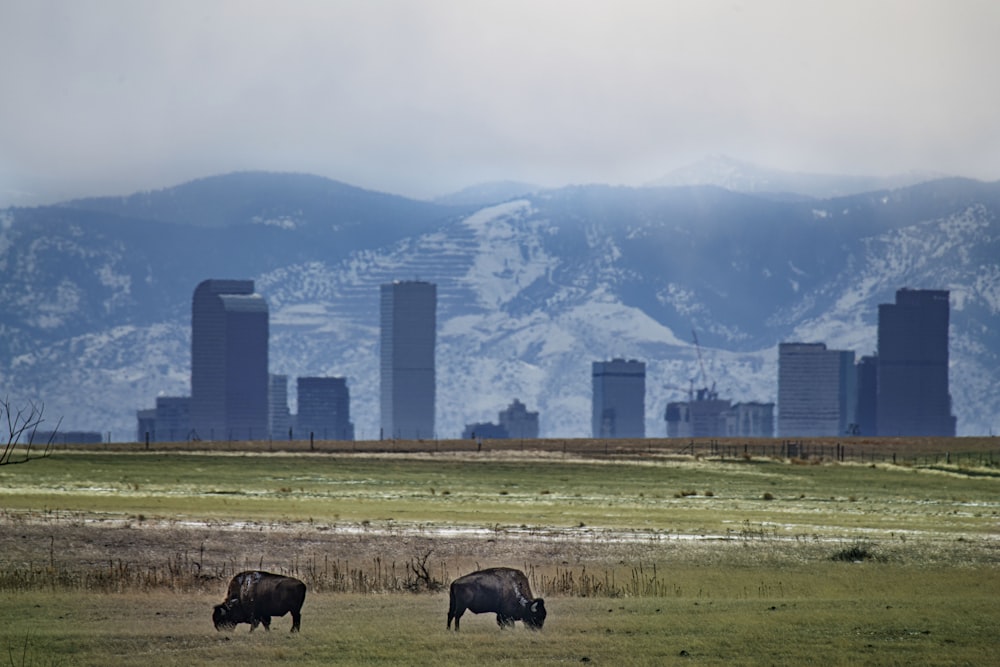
423, 97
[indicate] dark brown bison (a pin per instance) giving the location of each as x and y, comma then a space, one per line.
254, 597
503, 591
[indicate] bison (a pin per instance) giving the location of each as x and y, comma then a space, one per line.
254, 597
503, 591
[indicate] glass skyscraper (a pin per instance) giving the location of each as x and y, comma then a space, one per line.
913, 396
408, 336
324, 408
816, 390
229, 380
619, 399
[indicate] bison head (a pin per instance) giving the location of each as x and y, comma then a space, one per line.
535, 617
226, 616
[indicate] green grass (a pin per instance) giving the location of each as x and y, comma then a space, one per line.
832, 564
828, 614
687, 497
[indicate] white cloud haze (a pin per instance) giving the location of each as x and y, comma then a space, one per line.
422, 97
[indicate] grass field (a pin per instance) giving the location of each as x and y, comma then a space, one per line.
110, 557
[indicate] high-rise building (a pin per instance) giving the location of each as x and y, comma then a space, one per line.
750, 420
408, 335
324, 408
913, 395
619, 399
816, 390
518, 421
229, 381
279, 419
865, 415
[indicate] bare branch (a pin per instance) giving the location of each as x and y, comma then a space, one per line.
25, 421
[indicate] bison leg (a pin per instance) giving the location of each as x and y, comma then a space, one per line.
505, 621
296, 620
455, 614
266, 622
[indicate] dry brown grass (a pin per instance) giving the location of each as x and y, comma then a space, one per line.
973, 450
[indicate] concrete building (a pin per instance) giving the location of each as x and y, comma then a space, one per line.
816, 390
408, 335
173, 418
619, 399
324, 409
518, 421
750, 420
279, 418
169, 421
700, 417
913, 393
514, 422
229, 357
708, 416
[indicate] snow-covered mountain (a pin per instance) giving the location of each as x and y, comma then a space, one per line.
739, 176
95, 311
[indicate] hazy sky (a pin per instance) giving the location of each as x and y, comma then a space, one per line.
422, 97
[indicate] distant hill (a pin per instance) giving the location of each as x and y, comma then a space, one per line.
484, 194
95, 314
739, 176
281, 199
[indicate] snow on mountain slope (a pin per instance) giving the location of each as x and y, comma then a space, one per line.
95, 313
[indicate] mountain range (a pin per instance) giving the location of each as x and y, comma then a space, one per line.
534, 284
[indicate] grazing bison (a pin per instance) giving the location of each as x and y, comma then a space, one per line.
254, 597
503, 591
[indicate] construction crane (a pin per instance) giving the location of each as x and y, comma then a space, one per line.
701, 365
684, 390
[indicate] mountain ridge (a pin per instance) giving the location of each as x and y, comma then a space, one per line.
741, 176
96, 316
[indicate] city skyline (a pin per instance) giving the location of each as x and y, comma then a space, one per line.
821, 392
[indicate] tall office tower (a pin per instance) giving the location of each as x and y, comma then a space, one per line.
619, 399
865, 415
229, 383
279, 419
324, 408
518, 421
913, 396
816, 390
408, 333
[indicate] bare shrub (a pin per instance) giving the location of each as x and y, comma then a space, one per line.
861, 550
421, 580
22, 424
